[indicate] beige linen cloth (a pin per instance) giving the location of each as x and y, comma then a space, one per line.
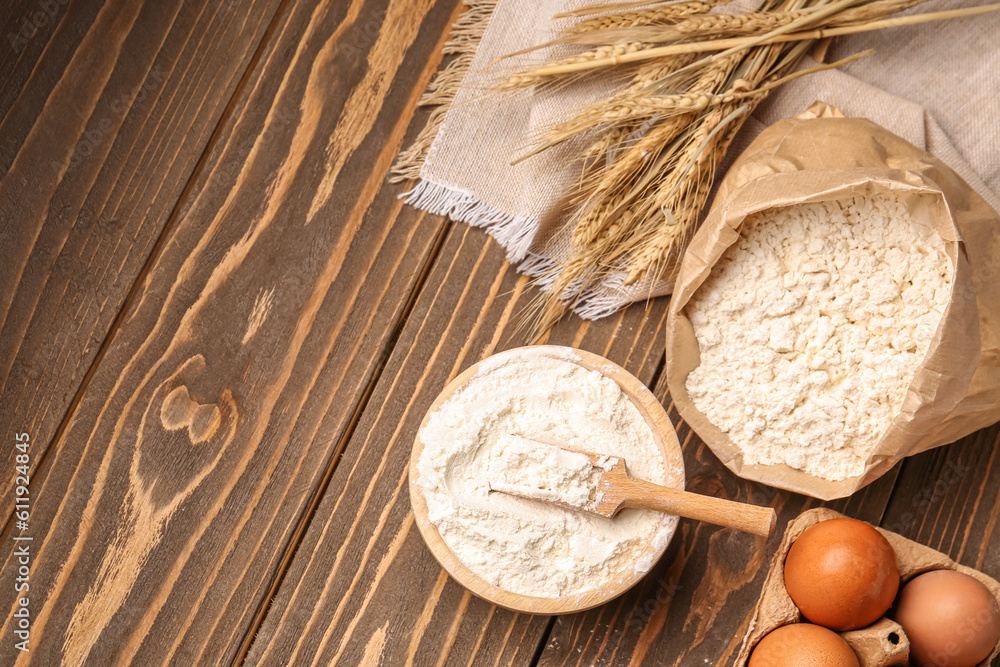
936, 85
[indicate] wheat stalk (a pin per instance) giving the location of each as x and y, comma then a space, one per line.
604, 8
655, 144
653, 16
746, 42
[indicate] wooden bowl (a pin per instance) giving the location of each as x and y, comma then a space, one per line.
663, 434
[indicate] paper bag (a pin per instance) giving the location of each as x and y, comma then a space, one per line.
822, 156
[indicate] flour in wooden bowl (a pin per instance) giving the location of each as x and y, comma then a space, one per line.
524, 546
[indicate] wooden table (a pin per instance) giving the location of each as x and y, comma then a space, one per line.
221, 328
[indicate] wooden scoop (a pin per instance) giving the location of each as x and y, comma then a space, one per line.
611, 489
667, 444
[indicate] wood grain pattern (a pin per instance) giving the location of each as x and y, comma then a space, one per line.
362, 564
162, 520
106, 109
221, 329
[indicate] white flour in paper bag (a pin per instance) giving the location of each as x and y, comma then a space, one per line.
811, 328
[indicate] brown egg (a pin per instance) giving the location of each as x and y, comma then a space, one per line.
802, 645
842, 574
950, 618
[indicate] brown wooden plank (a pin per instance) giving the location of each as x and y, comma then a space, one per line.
693, 607
162, 519
107, 109
363, 583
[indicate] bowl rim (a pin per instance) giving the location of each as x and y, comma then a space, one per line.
664, 435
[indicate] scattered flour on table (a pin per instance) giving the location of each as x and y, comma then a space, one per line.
525, 546
811, 328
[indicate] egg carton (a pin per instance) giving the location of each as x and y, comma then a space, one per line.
881, 644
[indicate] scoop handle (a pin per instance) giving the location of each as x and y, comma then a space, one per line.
741, 516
